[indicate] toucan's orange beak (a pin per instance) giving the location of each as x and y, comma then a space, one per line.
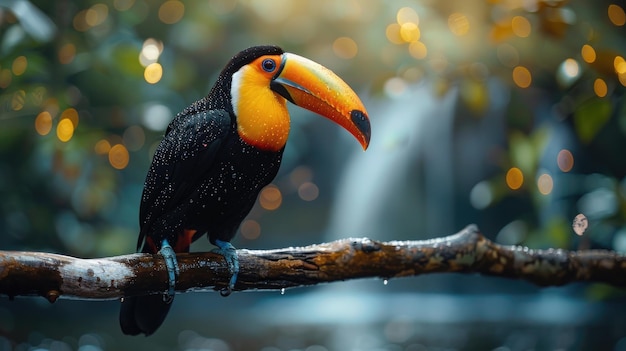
316, 88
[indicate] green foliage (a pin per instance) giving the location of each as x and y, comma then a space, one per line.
590, 117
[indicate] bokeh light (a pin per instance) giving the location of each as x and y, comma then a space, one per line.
459, 24
18, 99
67, 53
72, 115
588, 53
43, 123
308, 191
91, 17
394, 86
393, 33
118, 156
571, 68
96, 14
481, 195
620, 68
102, 147
418, 50
153, 73
150, 51
569, 71
65, 130
619, 64
80, 22
250, 229
545, 184
19, 65
171, 11
270, 198
407, 15
300, 175
409, 32
565, 160
156, 117
522, 77
520, 26
600, 87
514, 178
345, 47
617, 16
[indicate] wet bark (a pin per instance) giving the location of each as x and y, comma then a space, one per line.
56, 276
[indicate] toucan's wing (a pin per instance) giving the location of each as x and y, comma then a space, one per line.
184, 156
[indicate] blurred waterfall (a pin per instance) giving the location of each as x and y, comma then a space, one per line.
402, 186
425, 156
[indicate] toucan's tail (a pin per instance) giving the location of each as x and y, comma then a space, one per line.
143, 314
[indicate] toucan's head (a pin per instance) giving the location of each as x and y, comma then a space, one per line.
264, 77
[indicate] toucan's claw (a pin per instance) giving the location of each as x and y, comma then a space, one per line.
229, 252
172, 269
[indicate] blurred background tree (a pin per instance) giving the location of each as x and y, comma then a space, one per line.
508, 114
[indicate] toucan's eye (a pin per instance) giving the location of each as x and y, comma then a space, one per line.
268, 65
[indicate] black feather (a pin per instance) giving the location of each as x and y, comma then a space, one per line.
203, 177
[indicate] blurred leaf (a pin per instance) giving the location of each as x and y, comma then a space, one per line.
34, 22
556, 233
559, 232
521, 152
590, 117
525, 150
475, 95
125, 57
12, 37
114, 240
599, 292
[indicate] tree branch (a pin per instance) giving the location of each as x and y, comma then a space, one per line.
56, 276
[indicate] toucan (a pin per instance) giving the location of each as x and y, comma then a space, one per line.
219, 152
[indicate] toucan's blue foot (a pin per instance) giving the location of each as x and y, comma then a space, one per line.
229, 252
172, 269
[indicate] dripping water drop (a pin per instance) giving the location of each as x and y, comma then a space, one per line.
385, 282
282, 291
